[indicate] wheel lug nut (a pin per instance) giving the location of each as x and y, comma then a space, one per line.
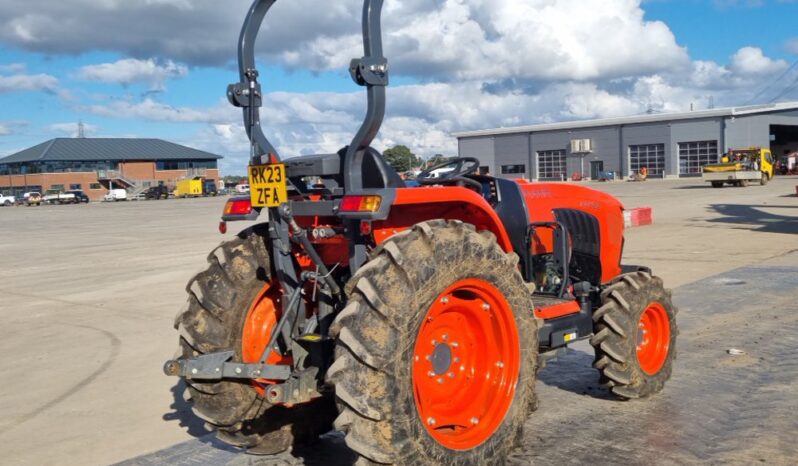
445, 337
499, 364
427, 357
485, 307
455, 344
445, 300
456, 359
450, 375
474, 420
431, 374
440, 380
431, 421
434, 342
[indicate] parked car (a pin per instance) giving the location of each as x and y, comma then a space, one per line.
32, 198
7, 200
115, 195
54, 196
157, 192
80, 196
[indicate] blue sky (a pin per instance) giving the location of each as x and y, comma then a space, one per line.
160, 68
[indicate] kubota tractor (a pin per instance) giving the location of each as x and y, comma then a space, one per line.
412, 319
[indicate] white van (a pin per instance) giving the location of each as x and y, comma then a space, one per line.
115, 195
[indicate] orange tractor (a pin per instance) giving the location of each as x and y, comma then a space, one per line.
414, 319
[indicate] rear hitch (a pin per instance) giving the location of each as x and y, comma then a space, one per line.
301, 388
215, 366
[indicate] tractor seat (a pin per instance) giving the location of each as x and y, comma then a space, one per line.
375, 172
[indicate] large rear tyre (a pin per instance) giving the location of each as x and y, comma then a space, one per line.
437, 350
226, 309
635, 335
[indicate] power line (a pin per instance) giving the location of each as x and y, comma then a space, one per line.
791, 87
766, 88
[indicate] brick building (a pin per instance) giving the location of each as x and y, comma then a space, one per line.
95, 165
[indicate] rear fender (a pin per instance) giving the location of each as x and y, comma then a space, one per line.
415, 205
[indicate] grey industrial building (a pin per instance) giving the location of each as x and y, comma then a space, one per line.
668, 145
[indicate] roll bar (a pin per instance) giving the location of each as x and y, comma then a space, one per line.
371, 71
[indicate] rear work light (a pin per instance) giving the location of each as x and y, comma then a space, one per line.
238, 207
360, 203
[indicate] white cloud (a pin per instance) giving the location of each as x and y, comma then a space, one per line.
133, 71
751, 61
15, 68
152, 110
448, 40
72, 129
29, 82
5, 130
792, 46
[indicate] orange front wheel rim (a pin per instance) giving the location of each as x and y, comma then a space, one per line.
653, 338
466, 362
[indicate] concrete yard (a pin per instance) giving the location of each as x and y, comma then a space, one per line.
88, 294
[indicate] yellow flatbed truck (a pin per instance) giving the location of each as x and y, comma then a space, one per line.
740, 168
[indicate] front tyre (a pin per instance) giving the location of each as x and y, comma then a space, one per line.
635, 335
437, 350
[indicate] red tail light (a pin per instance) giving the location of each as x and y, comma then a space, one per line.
238, 207
360, 203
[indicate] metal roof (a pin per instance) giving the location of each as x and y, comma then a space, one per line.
116, 149
628, 120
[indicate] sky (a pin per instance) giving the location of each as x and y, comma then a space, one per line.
160, 68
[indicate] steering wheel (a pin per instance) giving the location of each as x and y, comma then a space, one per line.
462, 166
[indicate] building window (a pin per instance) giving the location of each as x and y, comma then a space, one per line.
95, 186
694, 155
57, 187
184, 164
75, 186
552, 164
146, 184
650, 156
513, 169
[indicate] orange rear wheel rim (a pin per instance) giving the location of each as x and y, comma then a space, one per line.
261, 319
653, 338
466, 362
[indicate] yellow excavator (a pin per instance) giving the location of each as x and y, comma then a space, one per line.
740, 167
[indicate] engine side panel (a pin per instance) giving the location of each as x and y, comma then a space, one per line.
597, 232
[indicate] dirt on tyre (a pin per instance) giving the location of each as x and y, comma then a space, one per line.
437, 352
228, 310
635, 335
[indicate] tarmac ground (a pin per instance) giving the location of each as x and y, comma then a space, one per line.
88, 294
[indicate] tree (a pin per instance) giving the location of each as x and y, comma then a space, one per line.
232, 180
401, 158
437, 159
